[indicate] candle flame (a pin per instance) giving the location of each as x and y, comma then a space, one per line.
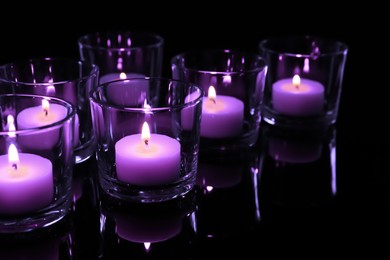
122, 75
13, 156
296, 80
45, 106
145, 135
212, 95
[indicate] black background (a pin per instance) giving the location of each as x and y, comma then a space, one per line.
361, 218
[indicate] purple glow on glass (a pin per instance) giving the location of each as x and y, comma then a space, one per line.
227, 79
280, 57
32, 72
193, 222
103, 223
255, 176
315, 53
147, 246
306, 66
333, 166
242, 60
108, 43
298, 55
119, 38
50, 90
128, 42
228, 62
209, 188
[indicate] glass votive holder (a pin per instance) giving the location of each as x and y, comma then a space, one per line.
36, 161
123, 54
67, 79
304, 80
147, 152
233, 83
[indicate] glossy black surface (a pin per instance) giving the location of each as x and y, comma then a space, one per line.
267, 207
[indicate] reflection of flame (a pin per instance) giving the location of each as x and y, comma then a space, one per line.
147, 246
209, 188
119, 65
306, 67
227, 79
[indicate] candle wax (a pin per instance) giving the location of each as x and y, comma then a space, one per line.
223, 118
305, 99
126, 93
153, 164
27, 188
34, 117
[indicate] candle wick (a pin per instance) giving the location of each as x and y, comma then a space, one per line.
46, 112
146, 142
214, 101
297, 86
14, 166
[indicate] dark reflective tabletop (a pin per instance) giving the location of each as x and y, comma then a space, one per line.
322, 193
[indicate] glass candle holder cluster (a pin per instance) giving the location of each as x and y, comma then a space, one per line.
147, 151
67, 79
36, 161
304, 80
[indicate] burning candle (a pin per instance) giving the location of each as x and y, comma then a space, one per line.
222, 116
298, 97
147, 159
126, 92
39, 116
26, 182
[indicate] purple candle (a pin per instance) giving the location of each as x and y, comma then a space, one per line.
222, 116
127, 92
147, 159
26, 182
298, 97
38, 116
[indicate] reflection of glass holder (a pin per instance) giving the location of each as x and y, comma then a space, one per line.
52, 243
297, 171
136, 229
85, 211
226, 197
